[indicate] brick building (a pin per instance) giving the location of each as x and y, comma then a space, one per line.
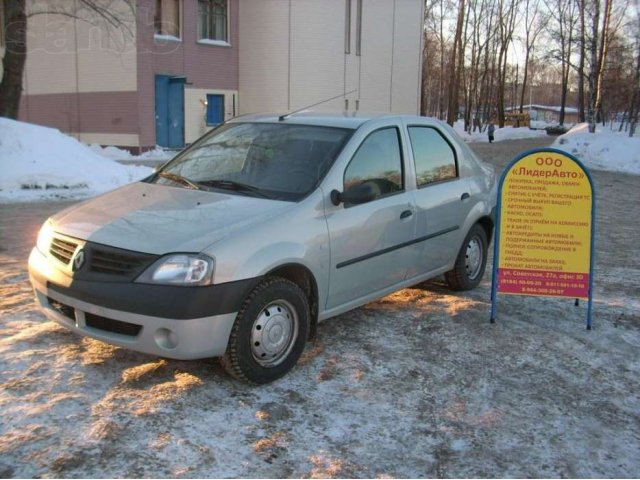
180, 67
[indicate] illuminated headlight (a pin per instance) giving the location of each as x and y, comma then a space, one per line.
180, 269
45, 236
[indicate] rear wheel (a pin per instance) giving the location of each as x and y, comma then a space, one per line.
471, 261
269, 333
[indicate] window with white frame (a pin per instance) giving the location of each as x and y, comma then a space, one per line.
167, 18
213, 18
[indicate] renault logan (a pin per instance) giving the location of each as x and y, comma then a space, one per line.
263, 227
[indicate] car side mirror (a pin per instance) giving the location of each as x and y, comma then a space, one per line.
356, 195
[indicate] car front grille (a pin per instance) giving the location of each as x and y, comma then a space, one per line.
111, 263
62, 249
102, 261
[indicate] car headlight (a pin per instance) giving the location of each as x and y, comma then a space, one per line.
180, 269
45, 236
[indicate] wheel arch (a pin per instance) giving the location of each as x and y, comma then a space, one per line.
487, 224
303, 278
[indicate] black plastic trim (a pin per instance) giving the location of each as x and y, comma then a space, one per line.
165, 301
396, 247
110, 325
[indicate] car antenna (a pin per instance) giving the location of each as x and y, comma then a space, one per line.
282, 118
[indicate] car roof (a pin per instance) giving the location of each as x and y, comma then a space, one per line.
352, 120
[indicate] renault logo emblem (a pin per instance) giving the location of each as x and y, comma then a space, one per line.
78, 260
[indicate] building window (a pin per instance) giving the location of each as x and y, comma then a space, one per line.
212, 20
167, 19
347, 28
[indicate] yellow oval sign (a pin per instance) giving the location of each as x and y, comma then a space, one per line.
545, 226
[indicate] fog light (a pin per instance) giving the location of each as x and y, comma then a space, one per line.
166, 338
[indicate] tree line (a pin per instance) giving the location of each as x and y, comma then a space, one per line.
485, 58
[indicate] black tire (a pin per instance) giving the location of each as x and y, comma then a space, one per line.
269, 333
468, 269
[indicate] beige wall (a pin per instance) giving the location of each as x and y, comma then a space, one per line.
264, 56
407, 56
120, 139
377, 55
195, 110
317, 53
105, 60
292, 54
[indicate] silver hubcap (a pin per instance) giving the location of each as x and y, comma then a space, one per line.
473, 258
273, 333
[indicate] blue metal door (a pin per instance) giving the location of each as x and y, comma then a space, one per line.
170, 111
215, 109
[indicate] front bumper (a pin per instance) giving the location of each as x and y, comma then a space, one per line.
159, 320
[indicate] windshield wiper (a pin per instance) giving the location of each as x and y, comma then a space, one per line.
180, 179
235, 186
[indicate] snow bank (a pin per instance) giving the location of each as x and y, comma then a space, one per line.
501, 134
39, 163
604, 150
115, 153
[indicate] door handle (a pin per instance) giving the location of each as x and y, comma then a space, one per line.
465, 196
406, 214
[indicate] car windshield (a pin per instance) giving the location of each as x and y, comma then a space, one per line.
269, 160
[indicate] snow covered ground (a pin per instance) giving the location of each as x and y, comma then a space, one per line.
115, 153
607, 149
501, 134
39, 163
417, 384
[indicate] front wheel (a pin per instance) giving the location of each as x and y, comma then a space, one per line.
471, 261
269, 333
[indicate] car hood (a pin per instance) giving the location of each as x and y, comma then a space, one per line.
160, 219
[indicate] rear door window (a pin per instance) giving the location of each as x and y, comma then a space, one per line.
434, 157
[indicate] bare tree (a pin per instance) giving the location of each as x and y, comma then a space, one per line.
507, 12
581, 65
575, 43
110, 15
535, 21
634, 106
480, 15
434, 54
488, 67
454, 66
598, 52
15, 41
563, 13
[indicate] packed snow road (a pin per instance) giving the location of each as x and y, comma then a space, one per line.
418, 384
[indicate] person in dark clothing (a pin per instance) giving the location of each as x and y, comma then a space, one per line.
491, 130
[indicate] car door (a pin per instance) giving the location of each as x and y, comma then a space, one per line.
442, 199
367, 239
